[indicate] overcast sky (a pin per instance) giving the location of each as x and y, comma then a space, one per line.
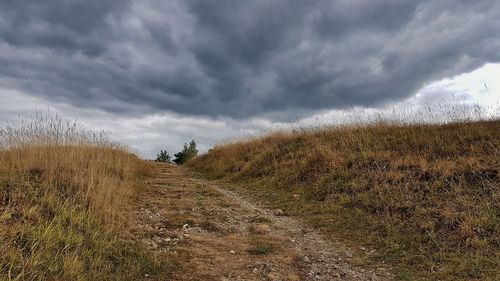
158, 73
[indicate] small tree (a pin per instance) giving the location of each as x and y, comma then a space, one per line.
163, 156
188, 152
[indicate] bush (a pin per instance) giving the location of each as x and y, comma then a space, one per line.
188, 152
163, 156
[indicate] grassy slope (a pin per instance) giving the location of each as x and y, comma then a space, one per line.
64, 193
426, 196
60, 212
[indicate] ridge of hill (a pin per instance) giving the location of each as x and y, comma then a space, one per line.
427, 197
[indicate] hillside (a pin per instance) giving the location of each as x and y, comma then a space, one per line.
426, 197
63, 198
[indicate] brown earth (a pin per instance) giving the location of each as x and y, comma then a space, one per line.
217, 234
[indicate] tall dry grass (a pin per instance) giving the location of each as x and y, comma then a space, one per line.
63, 190
425, 196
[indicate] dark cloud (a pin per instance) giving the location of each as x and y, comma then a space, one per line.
239, 58
62, 25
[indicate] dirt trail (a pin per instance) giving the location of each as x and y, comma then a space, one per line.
220, 235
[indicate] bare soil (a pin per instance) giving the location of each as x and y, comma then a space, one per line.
219, 234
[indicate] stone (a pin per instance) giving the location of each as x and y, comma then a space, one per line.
278, 212
260, 228
273, 276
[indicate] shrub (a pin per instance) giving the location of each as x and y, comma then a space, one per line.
187, 153
163, 156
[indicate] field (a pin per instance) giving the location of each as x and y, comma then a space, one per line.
419, 200
425, 197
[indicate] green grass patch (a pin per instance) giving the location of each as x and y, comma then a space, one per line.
260, 250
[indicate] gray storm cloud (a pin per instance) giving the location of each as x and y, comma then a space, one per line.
239, 58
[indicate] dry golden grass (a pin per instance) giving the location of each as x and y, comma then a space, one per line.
427, 197
62, 195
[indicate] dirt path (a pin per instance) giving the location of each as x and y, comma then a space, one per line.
221, 236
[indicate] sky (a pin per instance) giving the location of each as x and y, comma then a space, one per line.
158, 73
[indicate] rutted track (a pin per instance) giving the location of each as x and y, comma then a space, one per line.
222, 236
